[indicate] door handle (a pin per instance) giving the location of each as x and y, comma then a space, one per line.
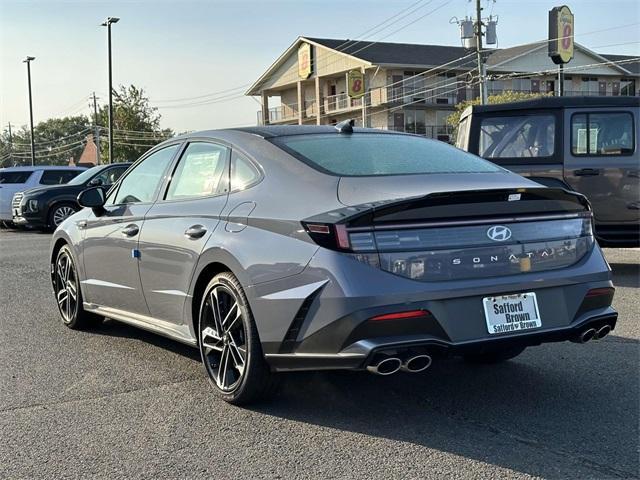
195, 231
130, 230
586, 172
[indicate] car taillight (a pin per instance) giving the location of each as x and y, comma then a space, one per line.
332, 236
600, 292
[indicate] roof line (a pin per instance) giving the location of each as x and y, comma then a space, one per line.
604, 59
286, 53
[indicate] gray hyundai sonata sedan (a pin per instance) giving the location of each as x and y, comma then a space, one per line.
274, 249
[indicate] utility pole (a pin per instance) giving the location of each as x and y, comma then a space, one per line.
10, 145
28, 61
107, 23
481, 70
96, 129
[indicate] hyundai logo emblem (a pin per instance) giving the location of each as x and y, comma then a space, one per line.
499, 233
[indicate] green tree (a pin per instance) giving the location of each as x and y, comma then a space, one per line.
136, 125
504, 97
57, 141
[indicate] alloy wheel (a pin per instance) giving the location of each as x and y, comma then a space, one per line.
61, 214
223, 337
66, 287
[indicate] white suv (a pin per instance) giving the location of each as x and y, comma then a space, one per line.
18, 179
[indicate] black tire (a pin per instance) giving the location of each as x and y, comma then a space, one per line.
64, 276
247, 378
497, 356
58, 213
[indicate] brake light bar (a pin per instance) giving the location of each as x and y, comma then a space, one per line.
401, 315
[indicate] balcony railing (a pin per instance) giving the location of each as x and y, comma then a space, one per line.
281, 113
310, 108
416, 95
567, 93
342, 101
438, 132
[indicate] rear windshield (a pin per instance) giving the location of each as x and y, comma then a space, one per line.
370, 154
15, 177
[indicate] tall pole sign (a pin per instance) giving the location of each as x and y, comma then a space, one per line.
561, 30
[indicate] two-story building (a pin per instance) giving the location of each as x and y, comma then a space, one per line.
414, 88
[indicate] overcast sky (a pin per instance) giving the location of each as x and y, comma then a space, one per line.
179, 49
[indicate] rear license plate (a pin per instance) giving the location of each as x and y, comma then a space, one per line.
511, 313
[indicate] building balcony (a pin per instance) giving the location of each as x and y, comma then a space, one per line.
341, 102
567, 93
438, 132
424, 95
282, 113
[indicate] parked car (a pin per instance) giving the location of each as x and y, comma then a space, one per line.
15, 179
47, 207
285, 248
586, 144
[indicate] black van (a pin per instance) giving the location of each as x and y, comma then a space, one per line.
586, 144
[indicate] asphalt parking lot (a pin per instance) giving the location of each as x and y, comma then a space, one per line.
119, 402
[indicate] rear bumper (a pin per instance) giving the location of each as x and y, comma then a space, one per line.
329, 307
358, 355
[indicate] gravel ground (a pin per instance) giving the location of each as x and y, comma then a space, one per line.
119, 402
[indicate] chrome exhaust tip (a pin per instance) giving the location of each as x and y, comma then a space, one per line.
387, 366
602, 332
587, 335
417, 364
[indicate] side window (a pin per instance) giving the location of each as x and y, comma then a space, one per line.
15, 177
142, 183
243, 172
110, 175
201, 172
517, 136
599, 134
57, 177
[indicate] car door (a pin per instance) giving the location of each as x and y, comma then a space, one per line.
601, 161
177, 226
110, 243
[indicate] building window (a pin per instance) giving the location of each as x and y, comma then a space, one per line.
414, 121
521, 85
589, 85
627, 87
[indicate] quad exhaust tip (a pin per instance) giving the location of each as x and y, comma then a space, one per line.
594, 334
602, 332
386, 366
391, 365
417, 364
587, 335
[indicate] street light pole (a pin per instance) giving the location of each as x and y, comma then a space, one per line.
107, 23
28, 61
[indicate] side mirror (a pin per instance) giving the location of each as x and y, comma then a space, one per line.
93, 198
95, 182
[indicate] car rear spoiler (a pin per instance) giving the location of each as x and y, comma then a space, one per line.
458, 206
